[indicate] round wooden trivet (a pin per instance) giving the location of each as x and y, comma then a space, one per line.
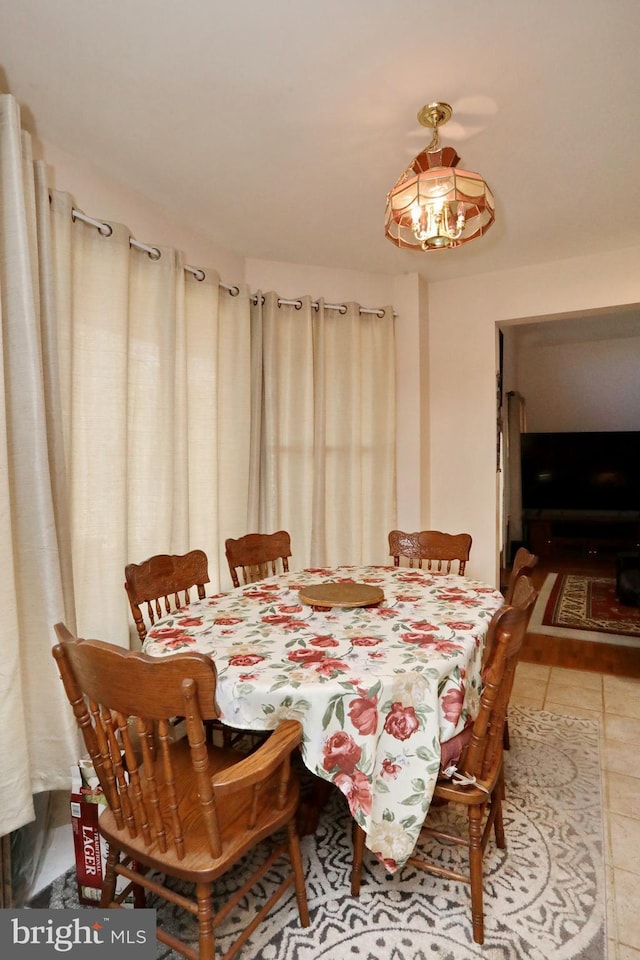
341, 594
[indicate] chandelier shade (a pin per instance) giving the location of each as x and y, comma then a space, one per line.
433, 205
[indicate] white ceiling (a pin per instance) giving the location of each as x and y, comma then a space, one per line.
276, 127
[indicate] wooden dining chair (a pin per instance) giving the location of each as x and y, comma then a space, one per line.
258, 555
431, 549
179, 807
523, 563
475, 780
524, 596
164, 583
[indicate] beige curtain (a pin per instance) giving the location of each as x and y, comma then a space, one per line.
37, 735
156, 400
323, 437
124, 427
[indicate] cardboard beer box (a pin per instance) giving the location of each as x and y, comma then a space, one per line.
87, 802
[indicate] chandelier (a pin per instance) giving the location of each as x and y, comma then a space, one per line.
433, 204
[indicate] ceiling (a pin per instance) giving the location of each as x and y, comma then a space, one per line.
276, 127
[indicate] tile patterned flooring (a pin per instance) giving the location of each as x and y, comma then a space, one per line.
616, 702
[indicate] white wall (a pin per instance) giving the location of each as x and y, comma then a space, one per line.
291, 280
100, 197
581, 386
463, 315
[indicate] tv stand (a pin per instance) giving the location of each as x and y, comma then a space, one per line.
550, 532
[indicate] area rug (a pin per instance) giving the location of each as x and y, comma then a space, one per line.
544, 895
584, 608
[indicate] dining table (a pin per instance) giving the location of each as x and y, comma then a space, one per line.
380, 664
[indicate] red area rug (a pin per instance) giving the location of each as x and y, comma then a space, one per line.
589, 603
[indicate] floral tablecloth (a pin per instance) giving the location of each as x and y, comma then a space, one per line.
377, 689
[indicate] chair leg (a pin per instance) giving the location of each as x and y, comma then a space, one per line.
506, 745
206, 939
496, 803
358, 853
298, 874
109, 884
311, 806
506, 742
475, 870
139, 897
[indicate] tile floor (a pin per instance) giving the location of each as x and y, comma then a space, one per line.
616, 701
576, 693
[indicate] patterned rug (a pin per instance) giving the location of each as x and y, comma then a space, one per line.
585, 608
544, 895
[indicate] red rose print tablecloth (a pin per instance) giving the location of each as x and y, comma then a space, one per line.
377, 689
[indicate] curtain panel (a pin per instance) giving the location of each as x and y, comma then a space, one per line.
124, 432
323, 429
156, 400
37, 733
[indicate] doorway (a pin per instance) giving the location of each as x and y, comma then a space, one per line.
572, 372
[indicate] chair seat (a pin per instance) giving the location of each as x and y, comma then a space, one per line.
467, 794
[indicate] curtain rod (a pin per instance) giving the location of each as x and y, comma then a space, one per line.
340, 307
154, 253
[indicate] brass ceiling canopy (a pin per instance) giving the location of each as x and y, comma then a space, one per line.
433, 205
434, 114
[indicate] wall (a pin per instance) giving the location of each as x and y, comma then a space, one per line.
581, 386
98, 196
463, 315
291, 280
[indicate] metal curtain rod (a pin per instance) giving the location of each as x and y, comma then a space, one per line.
154, 253
340, 307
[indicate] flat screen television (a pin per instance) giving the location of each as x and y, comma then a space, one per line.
585, 471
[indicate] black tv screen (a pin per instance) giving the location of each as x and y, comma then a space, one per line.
581, 471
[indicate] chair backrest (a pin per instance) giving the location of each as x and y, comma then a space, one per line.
523, 563
431, 549
258, 555
523, 592
163, 583
525, 596
505, 636
124, 703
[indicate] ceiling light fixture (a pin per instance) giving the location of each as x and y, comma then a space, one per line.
433, 205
